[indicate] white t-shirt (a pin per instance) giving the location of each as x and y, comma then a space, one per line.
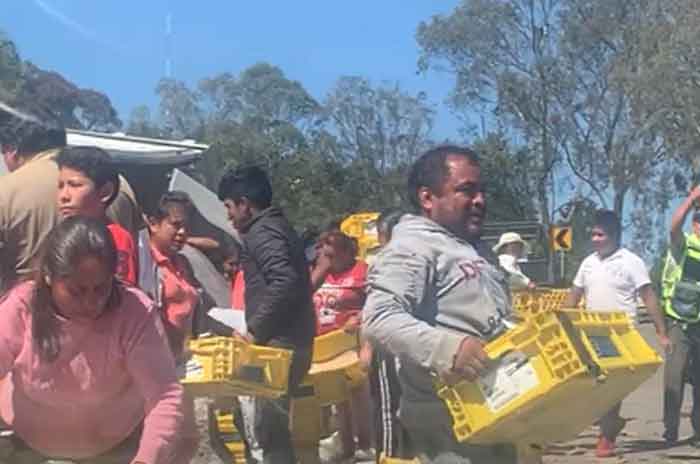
516, 278
613, 283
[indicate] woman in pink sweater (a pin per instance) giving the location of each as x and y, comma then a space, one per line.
89, 375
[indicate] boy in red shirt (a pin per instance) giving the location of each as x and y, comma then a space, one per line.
88, 182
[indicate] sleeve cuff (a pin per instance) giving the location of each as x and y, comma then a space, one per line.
150, 453
442, 358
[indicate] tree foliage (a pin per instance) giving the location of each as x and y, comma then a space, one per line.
76, 108
601, 93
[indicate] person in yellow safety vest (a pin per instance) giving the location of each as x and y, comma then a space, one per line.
681, 303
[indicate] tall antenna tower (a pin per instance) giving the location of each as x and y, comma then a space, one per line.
169, 45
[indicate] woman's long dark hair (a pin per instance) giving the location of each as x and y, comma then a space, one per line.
69, 242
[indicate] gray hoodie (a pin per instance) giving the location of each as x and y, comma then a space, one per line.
427, 289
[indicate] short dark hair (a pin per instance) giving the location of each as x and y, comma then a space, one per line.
170, 199
250, 182
387, 221
430, 170
95, 163
339, 241
696, 216
609, 221
31, 129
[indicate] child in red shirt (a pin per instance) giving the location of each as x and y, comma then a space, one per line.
341, 296
88, 182
338, 302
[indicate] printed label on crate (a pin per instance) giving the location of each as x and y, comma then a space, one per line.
193, 369
512, 376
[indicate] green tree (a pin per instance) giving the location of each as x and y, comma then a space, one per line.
510, 197
142, 124
10, 69
376, 132
180, 111
503, 56
77, 108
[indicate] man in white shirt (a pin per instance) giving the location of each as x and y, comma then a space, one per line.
611, 279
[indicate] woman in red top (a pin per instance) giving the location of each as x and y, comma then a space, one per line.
338, 303
176, 295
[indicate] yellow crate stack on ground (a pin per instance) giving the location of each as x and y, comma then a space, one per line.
335, 370
226, 439
552, 376
224, 367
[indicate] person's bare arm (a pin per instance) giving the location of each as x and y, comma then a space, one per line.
679, 215
651, 302
573, 298
203, 243
321, 269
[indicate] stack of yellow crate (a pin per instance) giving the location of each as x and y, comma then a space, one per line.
224, 367
527, 303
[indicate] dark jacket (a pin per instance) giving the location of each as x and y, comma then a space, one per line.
279, 308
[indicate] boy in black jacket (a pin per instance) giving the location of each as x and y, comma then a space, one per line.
279, 309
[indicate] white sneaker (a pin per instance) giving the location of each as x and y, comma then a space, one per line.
330, 449
365, 455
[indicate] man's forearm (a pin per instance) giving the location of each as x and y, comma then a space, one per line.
573, 298
654, 311
678, 219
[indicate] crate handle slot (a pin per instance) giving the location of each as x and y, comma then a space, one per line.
580, 348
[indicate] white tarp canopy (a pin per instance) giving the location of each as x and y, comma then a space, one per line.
131, 150
139, 150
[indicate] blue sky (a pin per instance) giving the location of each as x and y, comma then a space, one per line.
119, 47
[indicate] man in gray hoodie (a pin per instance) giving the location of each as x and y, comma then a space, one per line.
435, 296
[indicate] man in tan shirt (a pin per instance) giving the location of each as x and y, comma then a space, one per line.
29, 139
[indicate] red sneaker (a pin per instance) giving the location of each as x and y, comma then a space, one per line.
605, 448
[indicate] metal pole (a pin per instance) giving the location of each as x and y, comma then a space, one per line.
562, 257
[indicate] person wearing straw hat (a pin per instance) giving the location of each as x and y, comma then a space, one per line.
510, 249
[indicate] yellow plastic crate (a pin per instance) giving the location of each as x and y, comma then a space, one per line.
528, 303
335, 367
225, 438
624, 356
385, 460
224, 366
332, 344
547, 382
362, 227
